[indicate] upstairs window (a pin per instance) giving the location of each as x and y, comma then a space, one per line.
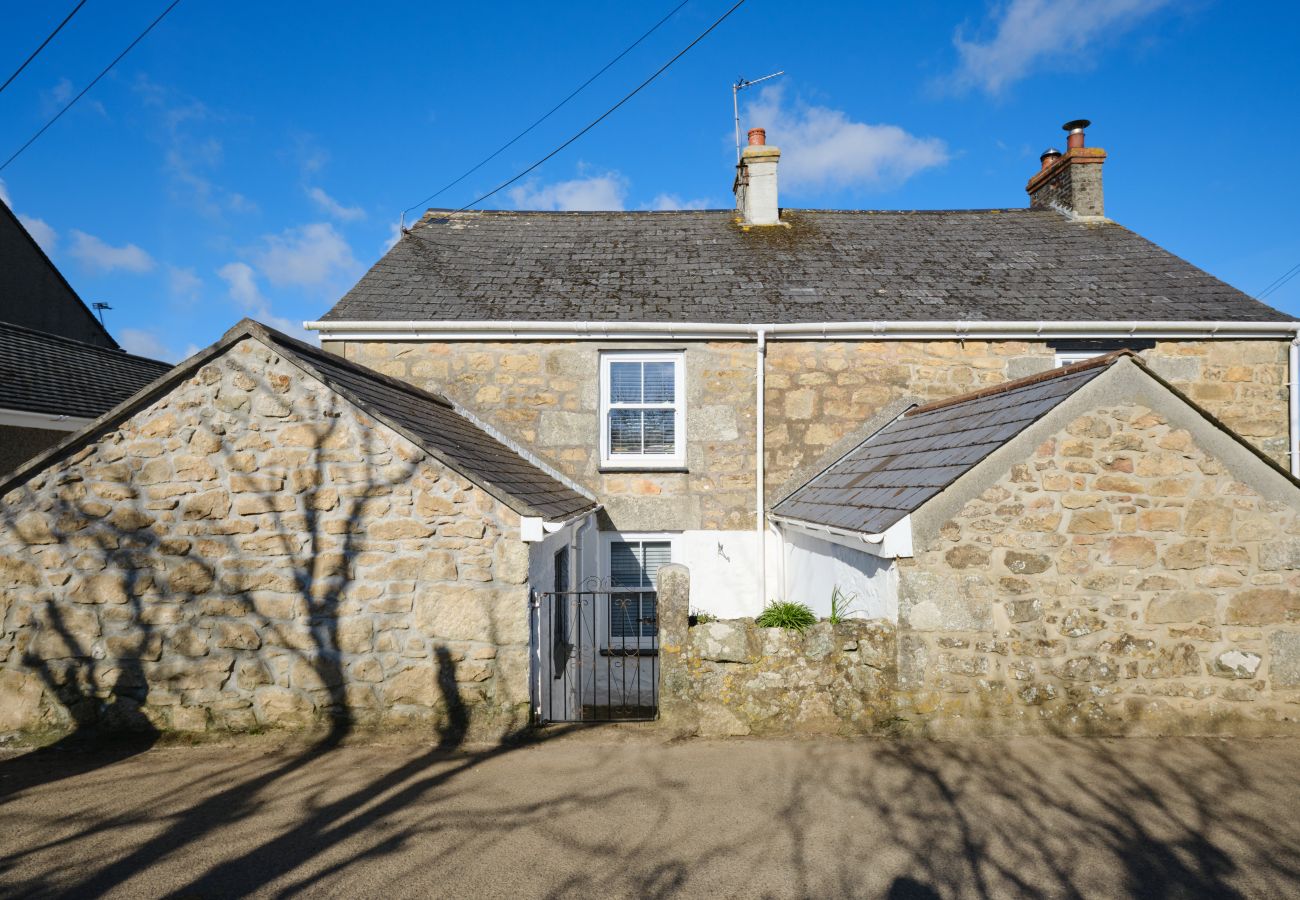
642, 411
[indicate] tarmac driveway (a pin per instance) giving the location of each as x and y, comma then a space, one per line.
605, 815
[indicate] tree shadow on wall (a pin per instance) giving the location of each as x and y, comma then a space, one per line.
320, 533
159, 610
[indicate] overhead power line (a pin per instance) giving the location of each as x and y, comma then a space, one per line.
607, 113
1279, 281
129, 47
576, 91
36, 52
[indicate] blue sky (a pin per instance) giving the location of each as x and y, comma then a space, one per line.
252, 158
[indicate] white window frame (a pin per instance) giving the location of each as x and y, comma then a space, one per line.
644, 461
1070, 357
607, 540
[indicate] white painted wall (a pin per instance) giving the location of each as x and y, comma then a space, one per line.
814, 566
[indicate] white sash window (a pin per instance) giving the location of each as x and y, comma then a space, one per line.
642, 411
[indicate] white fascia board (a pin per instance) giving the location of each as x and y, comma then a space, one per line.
458, 330
534, 528
18, 418
893, 542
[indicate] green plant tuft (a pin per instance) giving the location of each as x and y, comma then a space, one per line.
700, 617
841, 605
786, 614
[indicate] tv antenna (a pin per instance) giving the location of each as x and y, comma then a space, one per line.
736, 88
99, 308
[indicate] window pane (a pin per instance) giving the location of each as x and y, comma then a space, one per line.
660, 431
624, 431
659, 387
625, 382
654, 555
649, 624
624, 613
625, 565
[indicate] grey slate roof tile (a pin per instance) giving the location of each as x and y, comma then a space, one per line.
925, 450
435, 424
55, 375
827, 266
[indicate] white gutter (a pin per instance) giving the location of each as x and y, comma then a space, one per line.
760, 529
453, 329
18, 418
894, 541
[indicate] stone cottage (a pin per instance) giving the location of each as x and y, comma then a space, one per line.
271, 535
1045, 459
688, 368
1081, 550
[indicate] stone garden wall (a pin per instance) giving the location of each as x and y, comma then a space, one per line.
544, 394
1119, 581
733, 678
250, 552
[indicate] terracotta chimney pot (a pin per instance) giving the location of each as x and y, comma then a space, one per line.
757, 137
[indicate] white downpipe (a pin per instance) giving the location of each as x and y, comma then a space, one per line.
760, 526
1293, 379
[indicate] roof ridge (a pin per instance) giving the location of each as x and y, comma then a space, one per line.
1028, 381
116, 352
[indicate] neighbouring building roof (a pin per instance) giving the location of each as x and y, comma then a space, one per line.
34, 293
433, 423
927, 448
821, 266
46, 373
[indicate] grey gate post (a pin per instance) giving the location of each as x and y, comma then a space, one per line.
676, 708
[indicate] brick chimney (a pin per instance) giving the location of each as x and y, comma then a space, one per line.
755, 184
1070, 181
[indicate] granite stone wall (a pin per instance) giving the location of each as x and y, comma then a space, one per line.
248, 552
545, 394
734, 678
1121, 580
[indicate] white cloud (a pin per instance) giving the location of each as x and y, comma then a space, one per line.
672, 201
190, 158
241, 283
394, 235
183, 283
334, 208
100, 256
41, 231
605, 191
1029, 32
306, 256
823, 147
147, 343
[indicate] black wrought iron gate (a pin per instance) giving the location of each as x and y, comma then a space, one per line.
595, 656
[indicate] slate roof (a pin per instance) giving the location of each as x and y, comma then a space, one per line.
827, 266
431, 422
434, 424
46, 373
926, 449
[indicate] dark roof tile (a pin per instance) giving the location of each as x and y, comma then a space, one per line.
54, 375
827, 266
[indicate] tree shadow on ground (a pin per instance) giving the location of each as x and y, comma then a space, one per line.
906, 819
